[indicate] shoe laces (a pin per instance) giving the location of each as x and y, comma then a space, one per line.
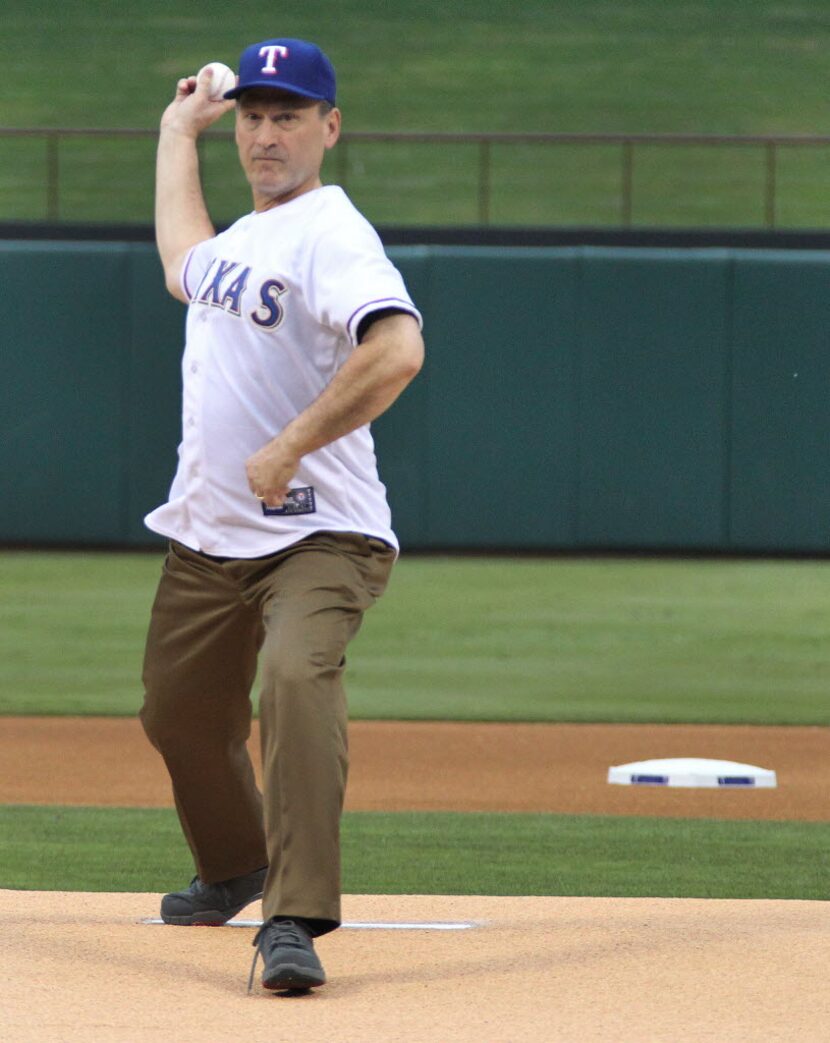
197, 886
287, 930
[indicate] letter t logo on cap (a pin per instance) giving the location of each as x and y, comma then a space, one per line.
270, 66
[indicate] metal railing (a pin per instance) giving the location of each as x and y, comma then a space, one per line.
770, 145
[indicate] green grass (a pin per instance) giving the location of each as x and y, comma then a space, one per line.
741, 66
600, 640
136, 849
636, 640
71, 631
735, 67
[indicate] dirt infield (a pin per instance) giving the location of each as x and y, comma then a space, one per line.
446, 766
83, 967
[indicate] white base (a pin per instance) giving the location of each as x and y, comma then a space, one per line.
692, 772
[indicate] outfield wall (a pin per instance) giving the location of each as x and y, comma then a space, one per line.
577, 397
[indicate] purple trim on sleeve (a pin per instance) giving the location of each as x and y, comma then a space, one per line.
407, 306
184, 273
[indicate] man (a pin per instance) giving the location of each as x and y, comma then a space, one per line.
299, 333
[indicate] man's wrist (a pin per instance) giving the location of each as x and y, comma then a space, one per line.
290, 442
174, 130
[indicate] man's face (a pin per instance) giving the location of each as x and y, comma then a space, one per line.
282, 139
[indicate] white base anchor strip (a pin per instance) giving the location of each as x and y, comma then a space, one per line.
464, 925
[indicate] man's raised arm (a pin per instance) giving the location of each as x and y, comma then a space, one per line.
181, 215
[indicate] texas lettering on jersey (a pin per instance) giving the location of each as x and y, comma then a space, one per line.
223, 284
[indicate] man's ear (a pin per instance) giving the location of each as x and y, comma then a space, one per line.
333, 123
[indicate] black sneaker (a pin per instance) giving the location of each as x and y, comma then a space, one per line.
211, 905
289, 956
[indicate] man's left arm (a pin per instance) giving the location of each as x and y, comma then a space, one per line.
388, 357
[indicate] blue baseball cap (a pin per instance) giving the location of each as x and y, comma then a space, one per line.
296, 66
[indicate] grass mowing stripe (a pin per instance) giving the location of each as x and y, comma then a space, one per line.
611, 640
138, 849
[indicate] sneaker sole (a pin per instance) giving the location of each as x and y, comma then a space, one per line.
208, 917
289, 976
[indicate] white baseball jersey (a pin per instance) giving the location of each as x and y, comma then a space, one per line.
275, 306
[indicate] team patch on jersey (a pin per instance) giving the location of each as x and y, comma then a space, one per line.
298, 501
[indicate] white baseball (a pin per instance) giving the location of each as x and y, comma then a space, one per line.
224, 79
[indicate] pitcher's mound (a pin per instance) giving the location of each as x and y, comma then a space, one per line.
85, 967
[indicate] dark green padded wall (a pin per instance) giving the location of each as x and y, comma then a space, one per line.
572, 398
653, 398
780, 403
501, 423
64, 373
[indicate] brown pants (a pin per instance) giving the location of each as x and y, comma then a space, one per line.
212, 618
